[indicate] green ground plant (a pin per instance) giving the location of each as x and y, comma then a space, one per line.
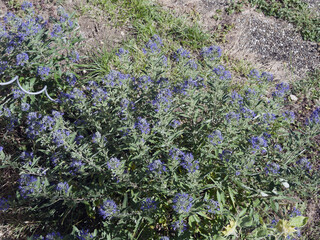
159, 145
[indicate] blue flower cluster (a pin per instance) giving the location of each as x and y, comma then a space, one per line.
108, 209
259, 143
212, 206
59, 136
212, 53
304, 163
182, 203
22, 58
116, 78
114, 163
273, 168
180, 54
314, 117
63, 187
148, 204
4, 205
222, 73
154, 45
28, 185
143, 126
281, 90
84, 235
254, 74
186, 160
179, 226
216, 137
157, 167
163, 100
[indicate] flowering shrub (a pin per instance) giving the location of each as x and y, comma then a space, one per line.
40, 52
173, 151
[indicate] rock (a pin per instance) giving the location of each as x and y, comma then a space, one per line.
293, 98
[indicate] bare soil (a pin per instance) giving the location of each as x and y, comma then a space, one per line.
266, 42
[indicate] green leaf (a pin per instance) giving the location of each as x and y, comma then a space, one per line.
246, 221
262, 232
231, 196
298, 221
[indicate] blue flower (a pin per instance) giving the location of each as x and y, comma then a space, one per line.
175, 123
176, 154
148, 204
18, 93
76, 166
144, 82
188, 163
53, 236
216, 137
36, 124
43, 72
59, 136
192, 64
273, 168
143, 125
269, 118
26, 155
236, 98
122, 53
28, 185
247, 113
289, 116
114, 163
71, 79
250, 93
108, 209
99, 95
231, 116
304, 164
211, 53
153, 45
222, 73
22, 58
182, 203
163, 100
84, 235
3, 66
258, 142
254, 74
314, 117
74, 56
157, 167
278, 147
56, 31
116, 78
26, 5
4, 205
25, 107
180, 54
281, 90
1, 148
295, 212
267, 76
179, 226
63, 186
212, 206
164, 238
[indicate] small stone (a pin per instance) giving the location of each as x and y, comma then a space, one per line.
293, 98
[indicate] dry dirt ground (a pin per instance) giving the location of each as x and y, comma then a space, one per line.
265, 42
